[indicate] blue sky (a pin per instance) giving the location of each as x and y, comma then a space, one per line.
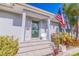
50, 7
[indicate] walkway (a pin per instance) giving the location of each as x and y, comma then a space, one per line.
69, 52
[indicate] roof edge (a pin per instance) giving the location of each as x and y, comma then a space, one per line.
38, 9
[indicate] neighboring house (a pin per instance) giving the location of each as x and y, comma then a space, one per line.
32, 26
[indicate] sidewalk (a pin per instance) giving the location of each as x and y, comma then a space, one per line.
69, 52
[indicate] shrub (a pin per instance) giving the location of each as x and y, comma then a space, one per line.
56, 39
8, 46
66, 39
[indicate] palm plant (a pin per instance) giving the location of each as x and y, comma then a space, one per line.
72, 13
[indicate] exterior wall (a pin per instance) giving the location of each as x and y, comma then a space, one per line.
54, 27
10, 24
28, 27
43, 28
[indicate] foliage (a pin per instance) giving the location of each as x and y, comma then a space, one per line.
76, 54
71, 11
65, 38
8, 46
55, 39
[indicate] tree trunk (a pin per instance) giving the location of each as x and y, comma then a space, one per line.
77, 29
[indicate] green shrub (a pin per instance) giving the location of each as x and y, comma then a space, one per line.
8, 46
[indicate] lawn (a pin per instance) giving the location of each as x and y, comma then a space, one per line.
76, 54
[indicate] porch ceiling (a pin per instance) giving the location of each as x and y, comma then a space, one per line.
36, 15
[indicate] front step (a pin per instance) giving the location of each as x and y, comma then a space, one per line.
34, 48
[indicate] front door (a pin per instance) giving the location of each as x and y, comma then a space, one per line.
35, 29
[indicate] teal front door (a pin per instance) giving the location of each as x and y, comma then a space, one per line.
35, 29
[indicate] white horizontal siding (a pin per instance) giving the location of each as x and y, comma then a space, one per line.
7, 26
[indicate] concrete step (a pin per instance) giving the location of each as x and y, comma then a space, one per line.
35, 47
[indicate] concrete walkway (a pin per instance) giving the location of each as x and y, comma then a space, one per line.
69, 52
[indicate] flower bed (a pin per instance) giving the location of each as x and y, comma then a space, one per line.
65, 39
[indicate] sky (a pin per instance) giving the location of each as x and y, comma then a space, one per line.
50, 7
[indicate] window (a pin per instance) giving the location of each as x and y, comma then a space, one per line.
17, 21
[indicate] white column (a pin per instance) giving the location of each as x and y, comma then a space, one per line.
49, 31
40, 27
23, 26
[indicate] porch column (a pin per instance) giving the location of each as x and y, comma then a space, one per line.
23, 26
49, 31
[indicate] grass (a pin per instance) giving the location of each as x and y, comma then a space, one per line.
76, 54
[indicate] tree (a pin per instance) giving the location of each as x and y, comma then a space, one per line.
72, 12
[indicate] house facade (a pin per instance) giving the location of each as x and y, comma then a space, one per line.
32, 26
